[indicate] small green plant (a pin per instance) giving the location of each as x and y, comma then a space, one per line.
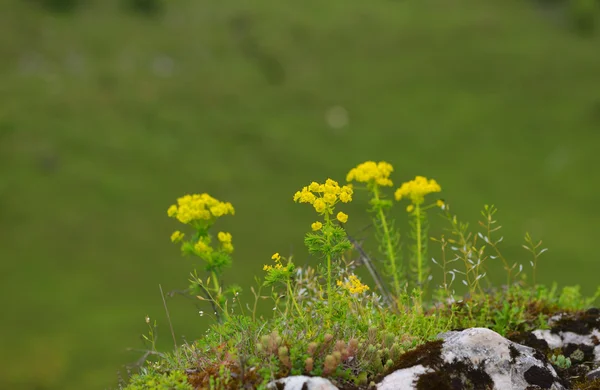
561, 361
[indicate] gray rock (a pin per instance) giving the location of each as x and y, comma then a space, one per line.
594, 374
301, 382
403, 379
476, 357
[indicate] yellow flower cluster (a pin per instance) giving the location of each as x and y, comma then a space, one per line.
372, 172
225, 239
199, 207
417, 189
353, 285
316, 226
324, 196
277, 258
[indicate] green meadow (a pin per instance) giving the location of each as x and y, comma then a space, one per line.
108, 115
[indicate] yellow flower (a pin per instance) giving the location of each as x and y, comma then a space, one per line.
371, 172
224, 237
316, 226
410, 208
199, 207
417, 189
202, 248
176, 236
343, 218
440, 203
323, 197
227, 247
276, 256
353, 285
314, 187
329, 198
319, 205
345, 197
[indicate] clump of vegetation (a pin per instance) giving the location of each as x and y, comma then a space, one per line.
327, 320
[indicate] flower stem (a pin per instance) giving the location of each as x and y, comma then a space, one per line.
329, 283
419, 246
291, 295
391, 254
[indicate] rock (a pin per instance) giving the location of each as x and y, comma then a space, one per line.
301, 382
594, 374
403, 379
579, 333
475, 358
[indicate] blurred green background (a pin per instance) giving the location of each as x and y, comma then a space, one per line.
110, 110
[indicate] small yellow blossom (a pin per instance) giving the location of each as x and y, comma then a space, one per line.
329, 198
319, 205
371, 172
417, 189
343, 218
345, 197
276, 256
224, 237
314, 187
316, 226
440, 203
227, 247
172, 211
410, 208
353, 285
177, 236
202, 248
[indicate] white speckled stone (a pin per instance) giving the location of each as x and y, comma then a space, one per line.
302, 382
402, 379
480, 348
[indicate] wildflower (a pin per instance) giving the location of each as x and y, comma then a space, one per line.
329, 198
345, 197
440, 203
198, 207
343, 218
224, 237
319, 205
316, 226
410, 208
147, 319
202, 248
276, 256
417, 189
324, 196
177, 236
227, 247
353, 285
371, 173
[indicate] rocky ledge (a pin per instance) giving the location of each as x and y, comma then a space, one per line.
481, 359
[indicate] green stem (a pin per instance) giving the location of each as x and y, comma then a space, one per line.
391, 254
291, 295
419, 247
329, 283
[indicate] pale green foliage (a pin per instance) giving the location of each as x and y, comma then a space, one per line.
174, 380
